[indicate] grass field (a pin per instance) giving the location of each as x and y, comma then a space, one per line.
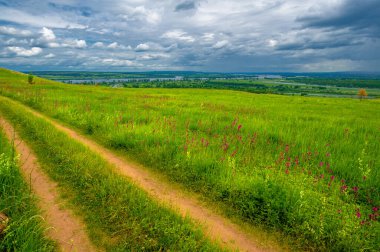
308, 167
25, 228
119, 216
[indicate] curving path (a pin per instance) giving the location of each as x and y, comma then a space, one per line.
66, 229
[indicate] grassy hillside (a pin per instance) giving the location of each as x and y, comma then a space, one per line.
119, 216
306, 166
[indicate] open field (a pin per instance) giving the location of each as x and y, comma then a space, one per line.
307, 167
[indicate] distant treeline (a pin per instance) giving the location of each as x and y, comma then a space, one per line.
68, 75
252, 86
338, 82
87, 75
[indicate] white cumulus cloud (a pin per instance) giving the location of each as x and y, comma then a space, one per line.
76, 43
47, 34
154, 56
178, 35
142, 47
20, 51
140, 13
15, 32
98, 45
119, 62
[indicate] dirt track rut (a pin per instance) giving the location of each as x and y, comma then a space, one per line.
66, 229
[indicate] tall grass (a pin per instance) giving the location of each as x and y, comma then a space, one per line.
25, 228
119, 215
306, 166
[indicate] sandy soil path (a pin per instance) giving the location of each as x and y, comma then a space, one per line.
67, 230
216, 227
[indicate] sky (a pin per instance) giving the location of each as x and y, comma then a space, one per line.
191, 35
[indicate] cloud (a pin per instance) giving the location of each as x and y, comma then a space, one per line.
347, 14
119, 62
20, 51
113, 46
140, 13
330, 66
98, 45
50, 55
223, 35
75, 43
142, 47
82, 11
208, 37
47, 34
302, 45
21, 17
220, 44
178, 35
156, 56
101, 31
184, 6
272, 42
117, 46
15, 32
53, 45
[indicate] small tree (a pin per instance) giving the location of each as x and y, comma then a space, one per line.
362, 93
30, 79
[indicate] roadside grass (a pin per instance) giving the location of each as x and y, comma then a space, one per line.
25, 228
119, 216
306, 166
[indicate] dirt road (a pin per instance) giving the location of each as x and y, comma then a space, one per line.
66, 229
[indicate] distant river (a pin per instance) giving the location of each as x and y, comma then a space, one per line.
120, 80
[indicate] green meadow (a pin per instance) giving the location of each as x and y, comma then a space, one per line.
305, 166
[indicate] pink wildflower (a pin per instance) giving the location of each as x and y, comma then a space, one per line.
234, 153
343, 188
287, 148
358, 214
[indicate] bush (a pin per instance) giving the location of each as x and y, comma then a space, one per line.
30, 79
